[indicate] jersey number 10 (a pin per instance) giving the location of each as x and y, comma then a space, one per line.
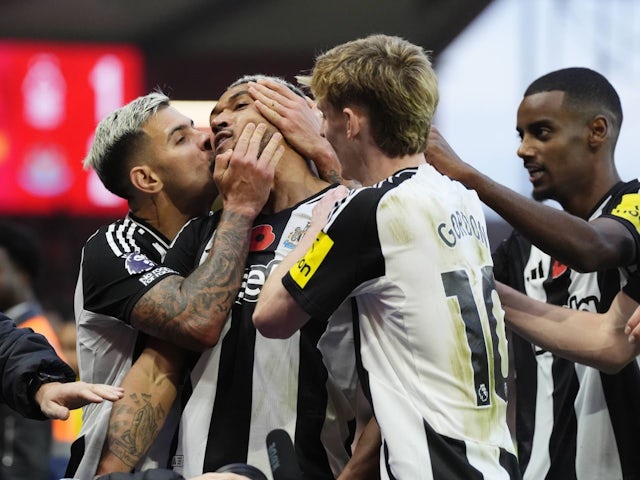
457, 285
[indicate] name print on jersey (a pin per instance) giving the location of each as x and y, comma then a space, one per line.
589, 303
462, 225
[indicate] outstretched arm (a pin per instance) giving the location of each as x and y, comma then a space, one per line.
190, 312
597, 340
36, 382
277, 314
584, 246
56, 399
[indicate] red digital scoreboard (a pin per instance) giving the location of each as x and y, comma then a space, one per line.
52, 96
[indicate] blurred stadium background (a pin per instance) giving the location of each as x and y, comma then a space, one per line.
66, 63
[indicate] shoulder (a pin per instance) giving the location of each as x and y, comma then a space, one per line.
123, 249
510, 258
625, 194
191, 243
622, 204
371, 195
126, 237
198, 228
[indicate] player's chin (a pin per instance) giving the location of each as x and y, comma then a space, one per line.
541, 193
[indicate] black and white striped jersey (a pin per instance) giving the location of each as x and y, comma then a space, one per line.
572, 421
412, 256
248, 385
118, 263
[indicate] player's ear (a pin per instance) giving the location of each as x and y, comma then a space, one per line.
145, 179
352, 122
598, 131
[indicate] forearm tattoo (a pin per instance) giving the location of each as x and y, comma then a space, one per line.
129, 440
332, 176
181, 308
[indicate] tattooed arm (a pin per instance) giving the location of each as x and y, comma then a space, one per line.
150, 389
191, 311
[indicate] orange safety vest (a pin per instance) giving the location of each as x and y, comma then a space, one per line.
64, 431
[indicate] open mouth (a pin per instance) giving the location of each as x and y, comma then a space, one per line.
535, 172
221, 139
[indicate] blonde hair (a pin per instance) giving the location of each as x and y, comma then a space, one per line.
390, 78
117, 138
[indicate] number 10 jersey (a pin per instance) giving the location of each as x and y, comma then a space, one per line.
412, 253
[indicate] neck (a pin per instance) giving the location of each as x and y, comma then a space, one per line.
582, 197
377, 166
161, 215
293, 183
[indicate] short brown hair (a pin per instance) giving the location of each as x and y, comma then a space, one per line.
391, 78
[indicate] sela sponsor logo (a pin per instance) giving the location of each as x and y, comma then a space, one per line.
253, 280
589, 304
147, 278
137, 262
461, 225
177, 461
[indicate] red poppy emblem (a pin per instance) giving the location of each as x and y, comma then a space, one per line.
261, 237
557, 269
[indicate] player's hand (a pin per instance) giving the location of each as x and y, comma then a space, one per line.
632, 329
440, 154
323, 208
292, 114
56, 399
245, 174
300, 121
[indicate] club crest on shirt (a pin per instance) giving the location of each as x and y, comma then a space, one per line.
137, 262
295, 236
